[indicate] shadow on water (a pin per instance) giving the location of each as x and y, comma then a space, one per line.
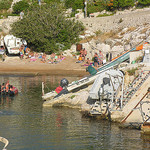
29, 126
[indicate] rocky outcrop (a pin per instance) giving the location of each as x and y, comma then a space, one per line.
6, 24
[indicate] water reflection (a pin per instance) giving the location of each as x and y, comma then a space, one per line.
29, 126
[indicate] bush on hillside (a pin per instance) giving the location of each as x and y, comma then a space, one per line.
46, 29
95, 7
119, 4
20, 6
50, 1
5, 4
74, 4
143, 3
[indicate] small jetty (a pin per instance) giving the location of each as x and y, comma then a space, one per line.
107, 94
5, 141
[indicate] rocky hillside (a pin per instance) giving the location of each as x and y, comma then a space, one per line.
116, 33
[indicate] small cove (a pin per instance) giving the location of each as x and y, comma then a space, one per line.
29, 126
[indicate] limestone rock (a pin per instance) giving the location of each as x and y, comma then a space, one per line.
6, 25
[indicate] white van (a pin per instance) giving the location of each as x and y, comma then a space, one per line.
12, 44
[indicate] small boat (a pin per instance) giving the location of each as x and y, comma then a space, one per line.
10, 93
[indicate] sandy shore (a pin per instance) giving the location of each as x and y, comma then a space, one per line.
13, 65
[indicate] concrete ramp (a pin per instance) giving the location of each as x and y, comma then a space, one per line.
138, 107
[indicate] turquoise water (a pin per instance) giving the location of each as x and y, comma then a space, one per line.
29, 126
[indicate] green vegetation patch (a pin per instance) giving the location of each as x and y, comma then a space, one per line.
131, 72
72, 96
5, 4
104, 15
20, 6
46, 29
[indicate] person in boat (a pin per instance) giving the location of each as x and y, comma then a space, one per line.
11, 90
96, 62
7, 87
3, 88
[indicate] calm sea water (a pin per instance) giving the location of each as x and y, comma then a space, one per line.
29, 126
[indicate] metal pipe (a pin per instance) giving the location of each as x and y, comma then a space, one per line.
42, 88
122, 94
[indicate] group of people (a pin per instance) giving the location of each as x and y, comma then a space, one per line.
6, 88
97, 59
83, 54
25, 52
53, 58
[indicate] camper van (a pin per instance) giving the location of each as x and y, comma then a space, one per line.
12, 44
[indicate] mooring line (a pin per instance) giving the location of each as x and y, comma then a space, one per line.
5, 141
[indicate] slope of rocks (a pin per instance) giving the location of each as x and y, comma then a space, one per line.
117, 33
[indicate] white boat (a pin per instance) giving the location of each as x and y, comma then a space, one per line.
12, 44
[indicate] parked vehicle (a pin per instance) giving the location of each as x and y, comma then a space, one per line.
12, 44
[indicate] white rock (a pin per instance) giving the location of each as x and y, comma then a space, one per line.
117, 49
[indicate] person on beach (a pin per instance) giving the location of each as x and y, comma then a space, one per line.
43, 58
96, 63
100, 57
88, 61
21, 49
21, 14
80, 60
84, 54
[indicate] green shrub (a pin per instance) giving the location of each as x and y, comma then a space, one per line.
47, 30
5, 15
98, 32
132, 71
50, 1
139, 59
72, 96
143, 3
104, 15
5, 4
74, 4
119, 4
20, 6
95, 8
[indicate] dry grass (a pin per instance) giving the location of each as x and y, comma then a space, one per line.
131, 29
2, 34
126, 42
122, 33
86, 40
144, 30
102, 36
108, 35
118, 44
